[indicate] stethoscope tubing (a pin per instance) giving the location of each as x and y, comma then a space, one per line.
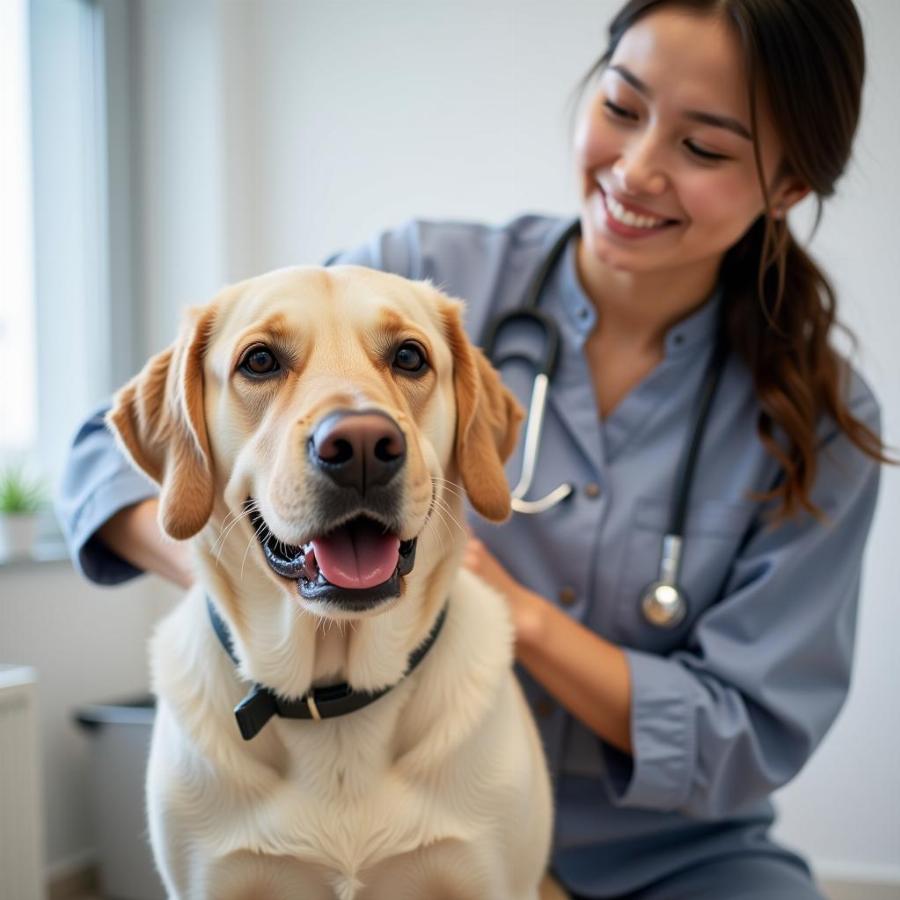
545, 368
664, 604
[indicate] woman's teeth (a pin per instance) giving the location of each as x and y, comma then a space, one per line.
620, 214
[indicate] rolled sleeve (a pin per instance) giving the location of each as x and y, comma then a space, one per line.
735, 714
658, 774
97, 482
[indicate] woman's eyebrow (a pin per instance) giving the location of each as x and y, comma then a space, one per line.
695, 115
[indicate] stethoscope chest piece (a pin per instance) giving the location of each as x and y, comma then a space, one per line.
663, 605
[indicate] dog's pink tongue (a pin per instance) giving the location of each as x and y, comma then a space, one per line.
358, 555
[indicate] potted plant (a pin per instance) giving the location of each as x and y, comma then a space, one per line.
21, 499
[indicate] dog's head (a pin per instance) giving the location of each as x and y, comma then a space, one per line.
330, 412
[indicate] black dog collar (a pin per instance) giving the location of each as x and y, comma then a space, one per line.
255, 710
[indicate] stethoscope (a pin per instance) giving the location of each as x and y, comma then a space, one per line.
664, 603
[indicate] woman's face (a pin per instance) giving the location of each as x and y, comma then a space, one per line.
665, 152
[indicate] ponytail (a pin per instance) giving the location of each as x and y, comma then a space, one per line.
779, 315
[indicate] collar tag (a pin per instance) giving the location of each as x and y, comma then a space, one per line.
254, 711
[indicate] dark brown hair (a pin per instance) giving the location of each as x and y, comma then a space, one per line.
807, 57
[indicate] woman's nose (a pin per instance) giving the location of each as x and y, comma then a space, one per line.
639, 168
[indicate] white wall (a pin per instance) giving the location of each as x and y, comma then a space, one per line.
276, 132
88, 645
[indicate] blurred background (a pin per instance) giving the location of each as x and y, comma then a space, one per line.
154, 150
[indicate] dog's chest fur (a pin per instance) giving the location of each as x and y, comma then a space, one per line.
345, 794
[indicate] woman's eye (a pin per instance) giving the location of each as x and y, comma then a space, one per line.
703, 154
618, 111
259, 361
410, 357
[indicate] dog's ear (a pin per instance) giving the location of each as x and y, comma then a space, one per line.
159, 420
487, 421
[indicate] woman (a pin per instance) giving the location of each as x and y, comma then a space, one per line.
707, 121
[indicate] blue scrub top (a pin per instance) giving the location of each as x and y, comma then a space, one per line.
729, 705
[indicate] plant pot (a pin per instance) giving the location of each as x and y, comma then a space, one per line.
17, 534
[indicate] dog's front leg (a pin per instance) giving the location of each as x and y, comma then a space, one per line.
449, 869
168, 832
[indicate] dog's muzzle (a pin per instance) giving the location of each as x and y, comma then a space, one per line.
357, 558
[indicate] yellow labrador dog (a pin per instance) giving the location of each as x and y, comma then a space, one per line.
337, 714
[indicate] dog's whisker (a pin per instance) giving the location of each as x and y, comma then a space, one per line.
440, 537
236, 517
442, 518
244, 558
441, 504
450, 489
446, 510
432, 508
219, 544
453, 486
450, 486
255, 538
226, 522
226, 531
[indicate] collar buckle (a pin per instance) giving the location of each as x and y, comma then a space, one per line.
311, 706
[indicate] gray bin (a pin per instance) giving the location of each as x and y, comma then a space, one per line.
120, 735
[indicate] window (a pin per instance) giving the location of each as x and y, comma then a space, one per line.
18, 398
70, 160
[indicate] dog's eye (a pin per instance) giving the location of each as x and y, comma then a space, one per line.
259, 361
410, 357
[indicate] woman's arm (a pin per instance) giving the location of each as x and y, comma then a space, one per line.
133, 533
588, 675
734, 713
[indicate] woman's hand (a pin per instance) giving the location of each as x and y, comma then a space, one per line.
585, 673
526, 607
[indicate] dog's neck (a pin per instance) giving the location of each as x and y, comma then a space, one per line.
290, 650
261, 703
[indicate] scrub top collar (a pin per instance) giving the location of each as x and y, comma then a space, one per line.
690, 334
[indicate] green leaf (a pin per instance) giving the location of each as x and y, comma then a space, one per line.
20, 494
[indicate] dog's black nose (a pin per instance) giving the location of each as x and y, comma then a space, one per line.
360, 450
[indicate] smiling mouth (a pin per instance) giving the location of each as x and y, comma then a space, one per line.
356, 565
622, 215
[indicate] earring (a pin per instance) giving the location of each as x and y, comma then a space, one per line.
779, 213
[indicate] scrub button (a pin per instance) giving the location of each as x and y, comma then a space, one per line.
592, 490
544, 708
567, 596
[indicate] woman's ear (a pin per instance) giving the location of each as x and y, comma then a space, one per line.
158, 419
789, 192
488, 417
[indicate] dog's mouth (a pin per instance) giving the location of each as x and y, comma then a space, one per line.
355, 565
